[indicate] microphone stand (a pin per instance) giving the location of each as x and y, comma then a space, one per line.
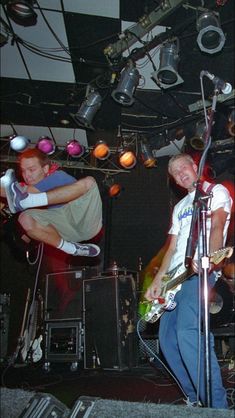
199, 218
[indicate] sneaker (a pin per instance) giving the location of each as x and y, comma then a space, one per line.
8, 178
86, 250
192, 404
14, 195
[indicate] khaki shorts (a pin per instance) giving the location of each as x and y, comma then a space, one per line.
79, 220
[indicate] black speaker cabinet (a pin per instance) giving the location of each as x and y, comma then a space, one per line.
63, 295
110, 322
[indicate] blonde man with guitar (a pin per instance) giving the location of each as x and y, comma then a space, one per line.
178, 331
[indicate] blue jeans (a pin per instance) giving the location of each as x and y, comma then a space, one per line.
178, 336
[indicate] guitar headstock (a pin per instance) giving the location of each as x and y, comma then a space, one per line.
219, 255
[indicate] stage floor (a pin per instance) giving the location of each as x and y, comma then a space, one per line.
147, 382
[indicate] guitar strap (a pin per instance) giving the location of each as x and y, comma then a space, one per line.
210, 187
207, 191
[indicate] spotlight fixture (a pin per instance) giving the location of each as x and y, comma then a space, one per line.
210, 38
46, 145
167, 75
146, 155
197, 140
19, 143
101, 150
74, 148
129, 80
114, 189
22, 12
88, 109
127, 158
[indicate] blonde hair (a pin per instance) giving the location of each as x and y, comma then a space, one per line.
178, 157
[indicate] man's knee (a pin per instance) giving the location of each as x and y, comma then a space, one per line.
89, 182
26, 221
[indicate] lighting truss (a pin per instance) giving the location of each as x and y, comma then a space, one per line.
140, 29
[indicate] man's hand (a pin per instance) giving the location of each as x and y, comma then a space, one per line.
212, 266
195, 266
154, 290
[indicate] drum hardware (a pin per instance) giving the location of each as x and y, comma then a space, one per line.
222, 305
216, 304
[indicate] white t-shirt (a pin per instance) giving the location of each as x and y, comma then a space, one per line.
182, 216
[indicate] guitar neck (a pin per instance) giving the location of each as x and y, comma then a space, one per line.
215, 257
32, 325
178, 280
25, 313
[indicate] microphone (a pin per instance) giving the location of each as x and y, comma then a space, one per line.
220, 84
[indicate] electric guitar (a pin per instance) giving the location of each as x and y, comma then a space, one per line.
36, 349
171, 284
31, 350
21, 338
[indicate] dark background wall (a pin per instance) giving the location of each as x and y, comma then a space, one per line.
140, 216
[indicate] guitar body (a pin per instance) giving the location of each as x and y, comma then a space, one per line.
36, 349
30, 331
166, 300
172, 283
31, 349
157, 308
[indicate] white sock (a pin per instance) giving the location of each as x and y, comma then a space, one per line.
67, 246
34, 200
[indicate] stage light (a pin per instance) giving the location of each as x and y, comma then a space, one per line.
129, 80
167, 75
22, 12
74, 148
197, 141
146, 155
46, 145
101, 151
88, 109
114, 189
210, 38
19, 143
127, 158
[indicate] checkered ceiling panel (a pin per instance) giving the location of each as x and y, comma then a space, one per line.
46, 67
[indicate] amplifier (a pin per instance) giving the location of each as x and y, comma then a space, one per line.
110, 322
63, 341
63, 293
